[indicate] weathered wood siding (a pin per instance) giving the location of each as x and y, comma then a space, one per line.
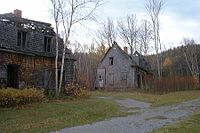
36, 67
34, 40
33, 70
120, 74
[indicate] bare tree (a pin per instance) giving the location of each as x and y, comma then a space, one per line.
128, 31
191, 56
56, 14
154, 8
107, 32
74, 12
87, 62
145, 36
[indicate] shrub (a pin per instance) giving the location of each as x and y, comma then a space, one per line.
50, 94
10, 97
75, 90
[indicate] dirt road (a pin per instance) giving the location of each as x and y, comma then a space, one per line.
146, 120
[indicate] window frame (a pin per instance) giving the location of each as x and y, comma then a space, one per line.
111, 61
47, 44
21, 38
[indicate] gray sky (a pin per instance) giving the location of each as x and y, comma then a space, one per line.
179, 18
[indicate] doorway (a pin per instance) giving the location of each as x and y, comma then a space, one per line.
101, 78
139, 81
13, 76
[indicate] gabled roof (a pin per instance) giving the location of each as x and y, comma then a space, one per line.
143, 64
141, 61
115, 45
137, 53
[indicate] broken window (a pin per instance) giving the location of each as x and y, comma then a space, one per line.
110, 60
47, 44
21, 39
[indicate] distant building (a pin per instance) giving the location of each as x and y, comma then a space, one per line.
119, 70
27, 53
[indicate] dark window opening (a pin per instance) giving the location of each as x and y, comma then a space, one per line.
47, 44
138, 81
111, 61
12, 76
21, 39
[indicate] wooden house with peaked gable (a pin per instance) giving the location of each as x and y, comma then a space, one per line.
27, 53
119, 70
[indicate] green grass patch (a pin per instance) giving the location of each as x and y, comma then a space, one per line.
155, 100
190, 125
55, 115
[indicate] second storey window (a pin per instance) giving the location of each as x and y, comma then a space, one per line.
111, 61
47, 44
21, 39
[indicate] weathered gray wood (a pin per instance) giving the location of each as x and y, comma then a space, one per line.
124, 72
36, 65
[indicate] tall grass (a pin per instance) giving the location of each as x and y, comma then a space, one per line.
169, 84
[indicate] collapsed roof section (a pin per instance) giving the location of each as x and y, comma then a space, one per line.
27, 24
34, 39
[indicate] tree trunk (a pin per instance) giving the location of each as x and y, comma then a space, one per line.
56, 61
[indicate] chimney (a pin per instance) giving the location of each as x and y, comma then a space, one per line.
126, 50
18, 13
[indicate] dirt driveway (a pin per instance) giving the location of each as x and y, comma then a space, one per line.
146, 120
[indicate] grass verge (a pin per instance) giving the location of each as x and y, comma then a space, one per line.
190, 125
55, 115
155, 100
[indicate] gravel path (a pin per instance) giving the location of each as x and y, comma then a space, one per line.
131, 105
147, 120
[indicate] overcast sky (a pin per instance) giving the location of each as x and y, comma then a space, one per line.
179, 18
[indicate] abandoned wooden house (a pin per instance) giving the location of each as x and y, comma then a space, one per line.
27, 53
119, 70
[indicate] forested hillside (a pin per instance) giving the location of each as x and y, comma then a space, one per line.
179, 61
